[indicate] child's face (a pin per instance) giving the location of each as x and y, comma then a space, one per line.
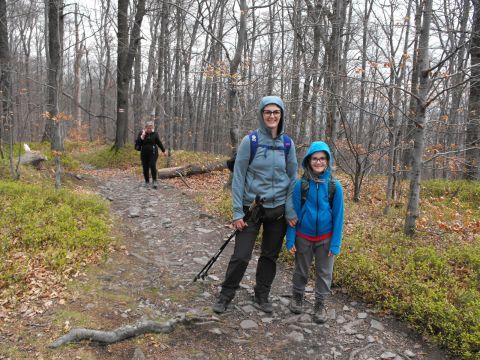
148, 129
319, 162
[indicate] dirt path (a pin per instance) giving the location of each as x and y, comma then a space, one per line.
166, 242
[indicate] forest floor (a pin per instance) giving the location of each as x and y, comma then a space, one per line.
165, 240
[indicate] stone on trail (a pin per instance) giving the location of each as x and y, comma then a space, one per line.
248, 309
267, 320
133, 212
248, 325
341, 320
362, 315
377, 325
284, 301
305, 318
331, 314
216, 331
370, 339
388, 355
200, 260
409, 353
296, 336
203, 231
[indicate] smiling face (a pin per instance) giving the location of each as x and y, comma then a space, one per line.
272, 116
319, 162
148, 129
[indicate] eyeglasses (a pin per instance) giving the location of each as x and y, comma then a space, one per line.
319, 159
269, 113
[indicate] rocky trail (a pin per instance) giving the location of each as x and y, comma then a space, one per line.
166, 241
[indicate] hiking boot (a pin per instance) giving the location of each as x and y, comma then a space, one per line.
221, 305
296, 305
154, 184
146, 185
319, 312
262, 303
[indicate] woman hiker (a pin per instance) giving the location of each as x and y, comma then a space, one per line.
265, 165
318, 202
149, 141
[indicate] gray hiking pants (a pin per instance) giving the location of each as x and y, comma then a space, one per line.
306, 250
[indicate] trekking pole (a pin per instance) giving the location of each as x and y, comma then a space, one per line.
254, 213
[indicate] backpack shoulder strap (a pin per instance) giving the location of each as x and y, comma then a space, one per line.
332, 186
304, 191
287, 144
253, 136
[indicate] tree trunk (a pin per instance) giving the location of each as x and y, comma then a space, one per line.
420, 121
127, 48
6, 122
54, 82
77, 94
234, 64
472, 141
138, 114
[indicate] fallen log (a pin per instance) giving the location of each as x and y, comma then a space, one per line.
191, 169
121, 333
34, 158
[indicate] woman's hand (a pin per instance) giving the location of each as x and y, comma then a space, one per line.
293, 250
292, 222
239, 224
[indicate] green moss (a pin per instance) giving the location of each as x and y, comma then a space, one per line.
55, 228
435, 290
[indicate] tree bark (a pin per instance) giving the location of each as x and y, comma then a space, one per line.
420, 121
472, 141
193, 169
127, 48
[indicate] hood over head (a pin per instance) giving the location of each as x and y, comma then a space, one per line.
271, 100
317, 146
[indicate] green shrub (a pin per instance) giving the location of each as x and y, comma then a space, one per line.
467, 192
105, 156
57, 228
435, 290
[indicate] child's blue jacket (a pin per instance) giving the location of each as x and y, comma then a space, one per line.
316, 220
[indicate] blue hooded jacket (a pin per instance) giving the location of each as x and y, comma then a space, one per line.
317, 218
267, 175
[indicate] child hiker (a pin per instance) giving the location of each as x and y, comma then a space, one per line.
318, 202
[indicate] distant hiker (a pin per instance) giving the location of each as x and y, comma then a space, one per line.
148, 142
318, 202
271, 173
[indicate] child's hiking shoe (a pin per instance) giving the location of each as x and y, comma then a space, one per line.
319, 312
296, 305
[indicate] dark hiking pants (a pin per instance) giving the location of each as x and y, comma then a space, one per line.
149, 163
274, 229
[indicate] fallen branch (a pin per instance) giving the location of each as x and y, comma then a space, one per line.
191, 169
121, 333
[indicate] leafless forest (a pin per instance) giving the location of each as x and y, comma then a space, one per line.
392, 86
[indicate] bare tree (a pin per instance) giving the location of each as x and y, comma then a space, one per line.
472, 155
420, 119
55, 119
127, 48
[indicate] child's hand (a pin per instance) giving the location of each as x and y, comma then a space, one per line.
293, 222
293, 250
